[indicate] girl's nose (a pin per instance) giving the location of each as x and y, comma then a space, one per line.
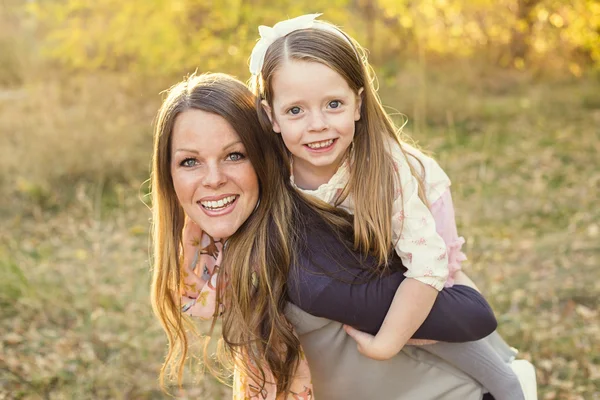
318, 122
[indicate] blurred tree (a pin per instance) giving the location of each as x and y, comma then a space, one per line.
175, 36
521, 31
160, 36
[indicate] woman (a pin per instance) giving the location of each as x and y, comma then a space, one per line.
214, 163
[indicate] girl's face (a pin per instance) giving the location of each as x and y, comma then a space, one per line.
214, 180
315, 111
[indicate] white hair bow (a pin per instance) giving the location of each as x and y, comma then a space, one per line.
268, 35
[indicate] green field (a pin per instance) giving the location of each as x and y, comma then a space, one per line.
75, 322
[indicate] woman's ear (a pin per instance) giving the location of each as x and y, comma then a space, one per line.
269, 112
358, 104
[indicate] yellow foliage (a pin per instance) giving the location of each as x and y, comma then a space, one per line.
160, 37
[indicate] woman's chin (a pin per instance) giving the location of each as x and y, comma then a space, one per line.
221, 229
219, 232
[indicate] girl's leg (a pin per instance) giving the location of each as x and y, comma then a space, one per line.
523, 369
507, 353
481, 361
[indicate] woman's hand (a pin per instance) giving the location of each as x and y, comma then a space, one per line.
191, 282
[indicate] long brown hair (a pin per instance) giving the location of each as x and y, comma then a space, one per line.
254, 328
373, 179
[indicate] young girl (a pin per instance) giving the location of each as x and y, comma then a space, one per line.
313, 83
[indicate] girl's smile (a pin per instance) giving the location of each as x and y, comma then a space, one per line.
321, 146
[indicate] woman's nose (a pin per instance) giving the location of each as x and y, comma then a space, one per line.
215, 176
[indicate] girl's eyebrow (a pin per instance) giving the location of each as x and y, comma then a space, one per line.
328, 96
290, 104
334, 95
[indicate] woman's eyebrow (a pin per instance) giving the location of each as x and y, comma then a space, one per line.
186, 151
232, 144
193, 151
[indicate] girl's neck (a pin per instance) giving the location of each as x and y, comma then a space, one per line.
309, 177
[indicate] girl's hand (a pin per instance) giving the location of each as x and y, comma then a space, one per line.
369, 346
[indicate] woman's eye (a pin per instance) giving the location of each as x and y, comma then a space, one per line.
188, 162
235, 156
294, 110
335, 104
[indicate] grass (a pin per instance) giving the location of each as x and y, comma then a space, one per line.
75, 319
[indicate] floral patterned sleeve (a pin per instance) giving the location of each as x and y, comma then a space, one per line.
202, 256
443, 213
421, 248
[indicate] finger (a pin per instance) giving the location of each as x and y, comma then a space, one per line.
192, 235
187, 303
191, 284
362, 338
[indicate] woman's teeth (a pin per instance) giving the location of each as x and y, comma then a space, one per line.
215, 205
318, 145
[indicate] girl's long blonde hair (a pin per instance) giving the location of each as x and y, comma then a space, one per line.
373, 179
255, 331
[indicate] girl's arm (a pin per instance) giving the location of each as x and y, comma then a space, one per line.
442, 210
411, 305
423, 253
331, 280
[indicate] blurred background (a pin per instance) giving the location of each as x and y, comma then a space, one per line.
504, 93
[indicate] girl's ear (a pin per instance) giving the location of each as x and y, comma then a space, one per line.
358, 104
269, 113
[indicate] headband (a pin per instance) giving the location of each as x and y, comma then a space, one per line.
269, 35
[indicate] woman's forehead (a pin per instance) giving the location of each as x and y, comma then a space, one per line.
195, 129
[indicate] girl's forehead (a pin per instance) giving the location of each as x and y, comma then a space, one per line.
289, 65
304, 75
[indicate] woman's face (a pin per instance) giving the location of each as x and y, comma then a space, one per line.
213, 178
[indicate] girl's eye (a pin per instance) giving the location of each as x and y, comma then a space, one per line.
294, 110
236, 156
335, 104
188, 162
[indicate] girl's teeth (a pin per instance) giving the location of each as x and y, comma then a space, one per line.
212, 205
318, 145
